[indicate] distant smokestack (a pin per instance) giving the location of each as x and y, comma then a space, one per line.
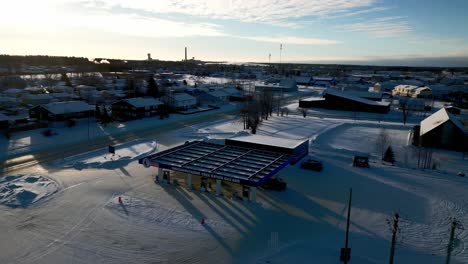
185, 53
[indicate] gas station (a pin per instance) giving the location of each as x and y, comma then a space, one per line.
247, 161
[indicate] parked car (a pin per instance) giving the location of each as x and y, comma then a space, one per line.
276, 184
361, 161
312, 164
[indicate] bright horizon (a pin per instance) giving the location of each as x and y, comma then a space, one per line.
335, 31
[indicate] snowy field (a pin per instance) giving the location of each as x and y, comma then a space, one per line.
83, 222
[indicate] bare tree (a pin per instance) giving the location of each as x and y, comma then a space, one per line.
382, 142
404, 109
250, 113
49, 80
266, 101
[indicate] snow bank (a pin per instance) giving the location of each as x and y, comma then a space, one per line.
24, 190
101, 158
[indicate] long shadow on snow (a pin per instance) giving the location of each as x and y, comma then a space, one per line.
197, 214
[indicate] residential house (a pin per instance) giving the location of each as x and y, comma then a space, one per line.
135, 108
412, 91
62, 111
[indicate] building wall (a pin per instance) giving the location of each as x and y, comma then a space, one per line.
445, 136
125, 111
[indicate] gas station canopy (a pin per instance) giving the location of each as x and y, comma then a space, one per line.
247, 166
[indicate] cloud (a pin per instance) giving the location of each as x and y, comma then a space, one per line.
360, 12
276, 12
293, 40
380, 27
53, 17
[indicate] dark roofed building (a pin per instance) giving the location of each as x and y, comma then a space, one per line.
4, 120
344, 101
62, 111
135, 108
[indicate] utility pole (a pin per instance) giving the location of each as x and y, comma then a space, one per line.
269, 58
394, 231
450, 246
346, 251
281, 50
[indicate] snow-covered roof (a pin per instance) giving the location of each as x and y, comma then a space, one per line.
231, 90
361, 94
143, 102
218, 93
268, 140
437, 119
289, 83
4, 117
324, 79
37, 96
354, 98
85, 87
34, 89
310, 99
420, 89
60, 95
303, 79
183, 97
13, 91
8, 100
406, 87
68, 107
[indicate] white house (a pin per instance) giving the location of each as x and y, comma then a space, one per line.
412, 91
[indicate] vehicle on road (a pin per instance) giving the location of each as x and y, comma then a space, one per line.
276, 184
311, 164
361, 161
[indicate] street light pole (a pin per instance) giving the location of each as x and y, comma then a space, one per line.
346, 251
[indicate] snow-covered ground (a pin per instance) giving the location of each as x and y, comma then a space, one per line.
84, 222
24, 190
101, 158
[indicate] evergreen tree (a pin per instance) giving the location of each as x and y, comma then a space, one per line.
131, 88
153, 89
66, 80
389, 156
105, 118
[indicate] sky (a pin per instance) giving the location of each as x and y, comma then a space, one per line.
333, 31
